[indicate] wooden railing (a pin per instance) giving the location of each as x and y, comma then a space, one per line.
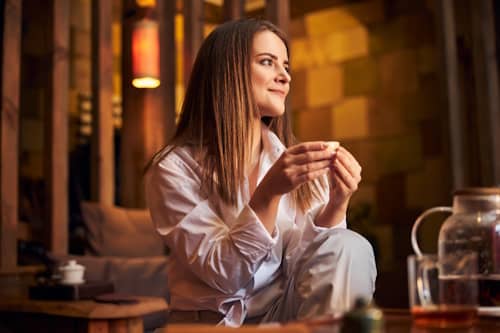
148, 116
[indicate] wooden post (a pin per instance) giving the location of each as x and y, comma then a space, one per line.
447, 37
193, 34
487, 94
103, 176
278, 12
9, 130
160, 121
131, 126
56, 131
233, 9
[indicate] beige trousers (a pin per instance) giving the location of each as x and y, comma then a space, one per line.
326, 278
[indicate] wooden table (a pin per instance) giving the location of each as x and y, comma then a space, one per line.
396, 321
24, 315
400, 321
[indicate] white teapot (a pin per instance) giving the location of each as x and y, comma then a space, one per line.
72, 273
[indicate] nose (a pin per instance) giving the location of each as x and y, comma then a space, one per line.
283, 76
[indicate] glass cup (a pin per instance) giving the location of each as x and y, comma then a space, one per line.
443, 292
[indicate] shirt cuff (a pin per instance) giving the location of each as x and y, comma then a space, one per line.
311, 230
251, 237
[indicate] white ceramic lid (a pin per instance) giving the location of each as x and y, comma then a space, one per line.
72, 266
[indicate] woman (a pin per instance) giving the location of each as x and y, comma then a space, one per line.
256, 233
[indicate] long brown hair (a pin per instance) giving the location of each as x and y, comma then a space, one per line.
218, 111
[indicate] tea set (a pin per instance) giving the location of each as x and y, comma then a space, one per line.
72, 273
449, 289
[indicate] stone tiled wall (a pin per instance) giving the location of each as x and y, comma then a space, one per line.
366, 74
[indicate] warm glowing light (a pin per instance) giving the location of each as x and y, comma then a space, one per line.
146, 3
146, 82
145, 54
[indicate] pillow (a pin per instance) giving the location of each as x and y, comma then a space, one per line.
117, 231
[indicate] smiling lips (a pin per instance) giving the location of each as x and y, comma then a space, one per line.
279, 92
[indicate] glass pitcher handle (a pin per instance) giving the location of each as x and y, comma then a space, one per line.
423, 285
419, 219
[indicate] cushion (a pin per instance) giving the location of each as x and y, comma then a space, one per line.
117, 231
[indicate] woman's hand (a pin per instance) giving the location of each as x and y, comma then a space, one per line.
297, 165
345, 176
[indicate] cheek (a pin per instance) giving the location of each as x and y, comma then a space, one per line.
259, 82
259, 77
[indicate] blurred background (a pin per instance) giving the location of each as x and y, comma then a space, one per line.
91, 89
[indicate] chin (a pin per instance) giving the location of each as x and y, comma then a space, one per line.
272, 112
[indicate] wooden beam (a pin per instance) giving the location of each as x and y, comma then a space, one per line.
487, 94
9, 131
233, 9
56, 131
103, 176
193, 34
278, 12
447, 41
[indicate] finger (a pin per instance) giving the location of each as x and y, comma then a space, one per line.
311, 156
350, 164
314, 166
307, 146
344, 152
345, 176
309, 176
337, 184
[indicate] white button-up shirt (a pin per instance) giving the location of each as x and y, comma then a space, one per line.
222, 257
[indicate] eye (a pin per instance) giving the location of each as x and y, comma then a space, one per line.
267, 62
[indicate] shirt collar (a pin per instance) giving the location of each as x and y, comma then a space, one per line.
272, 147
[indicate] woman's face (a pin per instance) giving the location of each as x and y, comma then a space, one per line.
269, 73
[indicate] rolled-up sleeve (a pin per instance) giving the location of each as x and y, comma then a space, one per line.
223, 254
311, 230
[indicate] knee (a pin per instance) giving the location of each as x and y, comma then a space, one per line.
340, 268
352, 247
350, 242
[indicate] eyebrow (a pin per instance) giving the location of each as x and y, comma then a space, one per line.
272, 56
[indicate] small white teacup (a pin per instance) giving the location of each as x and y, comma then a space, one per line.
72, 273
332, 145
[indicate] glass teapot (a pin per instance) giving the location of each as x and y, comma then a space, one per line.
474, 226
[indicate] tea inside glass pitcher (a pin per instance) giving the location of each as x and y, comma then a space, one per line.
474, 226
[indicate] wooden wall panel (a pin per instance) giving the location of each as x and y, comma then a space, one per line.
9, 131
